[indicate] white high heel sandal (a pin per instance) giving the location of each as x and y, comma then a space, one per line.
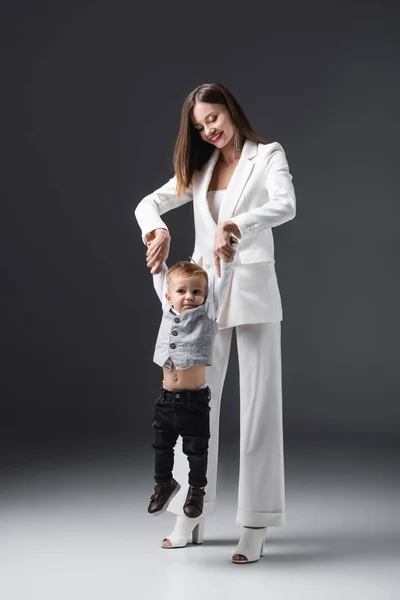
184, 527
251, 545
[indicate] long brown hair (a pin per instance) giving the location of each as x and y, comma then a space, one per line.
191, 152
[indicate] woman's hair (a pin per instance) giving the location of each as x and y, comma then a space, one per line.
191, 152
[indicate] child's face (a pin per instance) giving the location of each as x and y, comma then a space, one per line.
185, 293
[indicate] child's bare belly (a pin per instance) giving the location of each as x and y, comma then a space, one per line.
185, 379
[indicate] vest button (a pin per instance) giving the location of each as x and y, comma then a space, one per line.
174, 332
173, 346
177, 320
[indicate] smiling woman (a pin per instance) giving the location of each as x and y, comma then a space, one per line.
240, 187
212, 111
217, 124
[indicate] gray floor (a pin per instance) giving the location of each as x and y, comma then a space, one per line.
80, 530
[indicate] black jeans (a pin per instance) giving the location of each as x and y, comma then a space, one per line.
184, 413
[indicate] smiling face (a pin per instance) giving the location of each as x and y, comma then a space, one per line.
185, 293
214, 124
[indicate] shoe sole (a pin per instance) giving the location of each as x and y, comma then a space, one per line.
245, 562
164, 508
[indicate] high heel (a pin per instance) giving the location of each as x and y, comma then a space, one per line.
250, 546
184, 527
198, 532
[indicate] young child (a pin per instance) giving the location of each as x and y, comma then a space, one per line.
191, 305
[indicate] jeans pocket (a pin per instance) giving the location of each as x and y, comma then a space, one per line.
202, 407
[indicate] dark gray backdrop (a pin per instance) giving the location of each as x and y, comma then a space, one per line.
91, 96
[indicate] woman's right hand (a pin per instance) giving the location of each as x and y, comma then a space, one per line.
227, 233
158, 242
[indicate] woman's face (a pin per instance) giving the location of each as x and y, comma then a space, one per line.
214, 123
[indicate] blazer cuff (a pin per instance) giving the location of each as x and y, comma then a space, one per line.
151, 226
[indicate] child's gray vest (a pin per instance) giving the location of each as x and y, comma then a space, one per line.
186, 338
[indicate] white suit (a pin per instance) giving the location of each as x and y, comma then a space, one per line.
260, 195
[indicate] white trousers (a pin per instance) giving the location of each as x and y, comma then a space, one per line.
261, 490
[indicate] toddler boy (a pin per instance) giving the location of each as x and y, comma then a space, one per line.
191, 305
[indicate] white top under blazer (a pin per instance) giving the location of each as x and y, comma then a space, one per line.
214, 199
260, 196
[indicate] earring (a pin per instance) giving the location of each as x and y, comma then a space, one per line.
236, 143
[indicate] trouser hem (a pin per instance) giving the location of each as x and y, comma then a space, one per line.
260, 519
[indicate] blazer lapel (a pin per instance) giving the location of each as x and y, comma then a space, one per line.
201, 183
238, 180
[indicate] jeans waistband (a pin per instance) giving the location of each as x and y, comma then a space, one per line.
186, 395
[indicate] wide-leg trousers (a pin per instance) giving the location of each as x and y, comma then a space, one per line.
261, 489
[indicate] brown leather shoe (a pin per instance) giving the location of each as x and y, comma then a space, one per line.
193, 506
162, 496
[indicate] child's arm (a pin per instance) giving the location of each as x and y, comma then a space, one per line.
160, 282
219, 286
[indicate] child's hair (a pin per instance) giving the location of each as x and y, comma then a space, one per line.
185, 268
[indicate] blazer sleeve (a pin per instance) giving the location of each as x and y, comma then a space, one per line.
281, 206
149, 210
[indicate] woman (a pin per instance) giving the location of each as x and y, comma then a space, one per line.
241, 188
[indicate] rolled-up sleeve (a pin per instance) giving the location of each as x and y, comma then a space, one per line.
149, 210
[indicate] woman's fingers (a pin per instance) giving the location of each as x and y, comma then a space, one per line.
223, 249
153, 255
217, 263
227, 257
224, 245
156, 267
153, 250
158, 257
157, 252
155, 264
225, 252
155, 247
228, 251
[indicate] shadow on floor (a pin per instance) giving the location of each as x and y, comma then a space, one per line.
338, 546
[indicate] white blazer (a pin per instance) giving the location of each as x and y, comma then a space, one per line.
260, 195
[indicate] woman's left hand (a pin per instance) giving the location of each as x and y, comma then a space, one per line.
227, 232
